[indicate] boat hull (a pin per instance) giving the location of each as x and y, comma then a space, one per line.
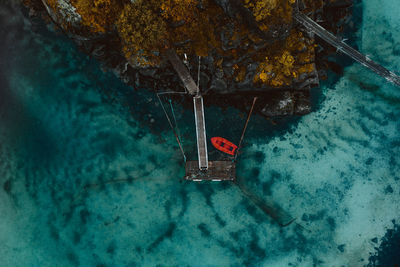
224, 145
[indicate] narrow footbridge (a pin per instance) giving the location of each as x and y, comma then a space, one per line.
200, 132
183, 72
202, 169
317, 29
192, 88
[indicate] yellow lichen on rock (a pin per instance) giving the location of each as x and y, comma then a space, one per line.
142, 31
147, 27
53, 4
285, 63
196, 26
278, 71
268, 12
98, 15
261, 8
178, 10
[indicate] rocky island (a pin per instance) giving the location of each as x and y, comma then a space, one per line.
234, 49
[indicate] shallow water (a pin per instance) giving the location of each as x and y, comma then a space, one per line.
90, 173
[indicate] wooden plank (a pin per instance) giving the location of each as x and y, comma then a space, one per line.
217, 171
200, 132
183, 72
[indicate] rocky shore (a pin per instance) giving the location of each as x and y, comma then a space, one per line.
217, 71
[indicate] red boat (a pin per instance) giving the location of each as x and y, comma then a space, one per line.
224, 145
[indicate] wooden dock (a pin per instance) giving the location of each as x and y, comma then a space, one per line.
183, 72
202, 169
217, 171
200, 132
341, 46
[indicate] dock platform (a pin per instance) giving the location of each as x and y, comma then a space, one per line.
217, 171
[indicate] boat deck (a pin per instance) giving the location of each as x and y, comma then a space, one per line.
217, 171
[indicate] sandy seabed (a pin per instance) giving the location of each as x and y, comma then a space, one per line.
90, 173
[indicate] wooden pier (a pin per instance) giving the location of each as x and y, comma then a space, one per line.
341, 46
200, 132
202, 169
217, 171
183, 72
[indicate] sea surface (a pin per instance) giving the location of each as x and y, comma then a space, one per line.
91, 175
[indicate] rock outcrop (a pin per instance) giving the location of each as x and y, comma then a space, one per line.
221, 76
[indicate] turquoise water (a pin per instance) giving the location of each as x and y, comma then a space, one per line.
90, 173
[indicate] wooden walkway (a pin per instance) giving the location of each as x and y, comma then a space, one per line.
202, 169
192, 88
345, 48
183, 72
200, 132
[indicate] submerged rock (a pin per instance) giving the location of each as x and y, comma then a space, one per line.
7, 186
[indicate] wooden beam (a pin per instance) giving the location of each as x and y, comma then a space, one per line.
183, 72
200, 132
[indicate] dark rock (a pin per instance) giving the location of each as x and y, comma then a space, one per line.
341, 247
218, 86
204, 80
148, 72
280, 105
214, 80
388, 190
302, 103
7, 186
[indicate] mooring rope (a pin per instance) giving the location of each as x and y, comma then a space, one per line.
267, 206
198, 74
172, 127
175, 121
245, 127
172, 92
